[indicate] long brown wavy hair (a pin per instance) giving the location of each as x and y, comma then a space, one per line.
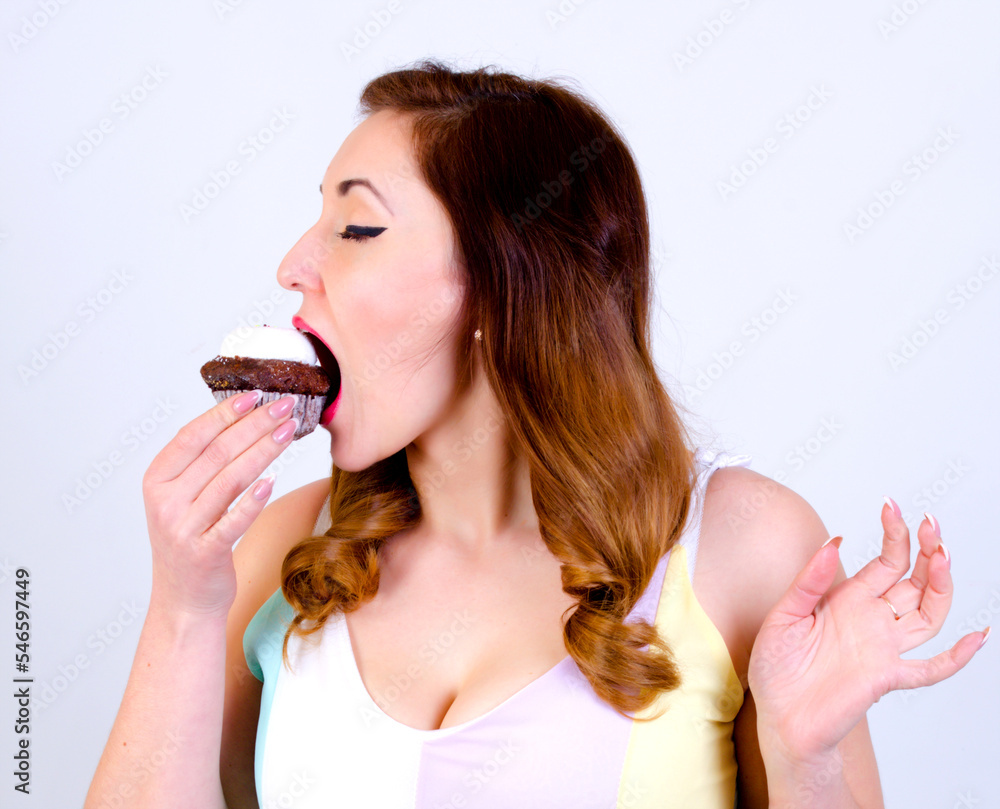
552, 231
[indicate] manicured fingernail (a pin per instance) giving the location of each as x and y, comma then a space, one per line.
986, 635
282, 406
892, 506
835, 540
943, 548
263, 488
934, 524
285, 431
246, 402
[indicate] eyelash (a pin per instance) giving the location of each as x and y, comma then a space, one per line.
359, 232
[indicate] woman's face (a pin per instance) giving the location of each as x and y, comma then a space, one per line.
385, 301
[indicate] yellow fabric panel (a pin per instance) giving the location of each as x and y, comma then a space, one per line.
686, 758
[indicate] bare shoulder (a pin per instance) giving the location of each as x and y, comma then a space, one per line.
756, 535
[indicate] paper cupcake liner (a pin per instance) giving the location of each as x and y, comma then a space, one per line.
307, 409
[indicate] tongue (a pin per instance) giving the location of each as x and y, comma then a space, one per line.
329, 410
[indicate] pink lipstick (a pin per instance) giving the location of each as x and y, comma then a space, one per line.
328, 362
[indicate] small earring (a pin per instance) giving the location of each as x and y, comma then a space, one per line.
479, 334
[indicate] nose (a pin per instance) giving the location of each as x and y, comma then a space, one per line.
299, 269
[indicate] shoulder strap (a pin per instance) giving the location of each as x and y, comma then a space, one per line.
706, 462
274, 614
265, 634
322, 524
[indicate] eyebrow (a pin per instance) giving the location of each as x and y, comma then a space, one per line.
345, 185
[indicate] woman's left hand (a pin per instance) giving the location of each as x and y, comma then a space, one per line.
823, 656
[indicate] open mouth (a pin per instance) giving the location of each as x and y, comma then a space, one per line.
331, 368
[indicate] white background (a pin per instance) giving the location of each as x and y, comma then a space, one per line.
116, 369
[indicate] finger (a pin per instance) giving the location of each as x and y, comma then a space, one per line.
230, 444
235, 522
809, 586
919, 673
926, 620
907, 594
886, 569
194, 436
904, 596
210, 506
929, 537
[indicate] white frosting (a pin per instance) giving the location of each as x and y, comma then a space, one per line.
268, 343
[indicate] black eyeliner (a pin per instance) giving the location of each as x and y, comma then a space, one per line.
360, 232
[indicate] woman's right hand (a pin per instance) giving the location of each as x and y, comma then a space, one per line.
190, 485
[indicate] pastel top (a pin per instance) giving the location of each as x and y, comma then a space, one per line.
323, 741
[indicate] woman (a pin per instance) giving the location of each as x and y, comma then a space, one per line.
521, 587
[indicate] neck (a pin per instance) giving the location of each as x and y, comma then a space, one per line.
474, 491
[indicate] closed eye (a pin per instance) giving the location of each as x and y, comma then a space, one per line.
359, 232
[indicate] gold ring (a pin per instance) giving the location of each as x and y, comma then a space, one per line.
887, 601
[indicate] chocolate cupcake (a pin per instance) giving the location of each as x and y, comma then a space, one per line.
274, 361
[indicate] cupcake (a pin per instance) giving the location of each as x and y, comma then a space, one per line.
276, 362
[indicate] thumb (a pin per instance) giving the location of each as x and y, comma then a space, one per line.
809, 585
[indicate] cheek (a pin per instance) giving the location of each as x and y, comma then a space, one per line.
432, 313
415, 301
393, 309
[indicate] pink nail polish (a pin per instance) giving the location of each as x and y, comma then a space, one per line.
285, 431
892, 506
282, 406
246, 402
263, 488
986, 636
934, 524
944, 549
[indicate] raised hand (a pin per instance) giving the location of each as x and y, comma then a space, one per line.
188, 488
824, 655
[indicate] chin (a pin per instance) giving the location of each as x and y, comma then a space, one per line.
349, 464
